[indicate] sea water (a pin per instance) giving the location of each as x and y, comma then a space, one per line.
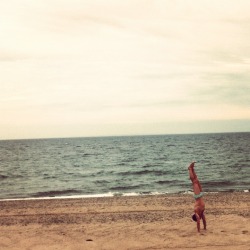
127, 165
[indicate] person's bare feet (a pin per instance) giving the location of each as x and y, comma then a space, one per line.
191, 165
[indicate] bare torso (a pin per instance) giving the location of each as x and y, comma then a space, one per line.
199, 207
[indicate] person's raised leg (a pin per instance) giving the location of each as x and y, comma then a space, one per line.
193, 177
192, 173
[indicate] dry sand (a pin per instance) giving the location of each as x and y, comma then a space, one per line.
145, 222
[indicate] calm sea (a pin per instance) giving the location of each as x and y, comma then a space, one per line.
123, 165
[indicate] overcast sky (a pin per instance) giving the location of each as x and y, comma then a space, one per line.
114, 67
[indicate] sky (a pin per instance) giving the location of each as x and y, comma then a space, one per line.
73, 68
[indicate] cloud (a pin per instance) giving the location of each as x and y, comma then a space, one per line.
228, 88
99, 62
6, 56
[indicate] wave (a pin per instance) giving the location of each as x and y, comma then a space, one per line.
173, 183
11, 176
87, 154
54, 193
123, 188
45, 176
165, 182
143, 172
101, 182
218, 184
2, 177
122, 164
148, 165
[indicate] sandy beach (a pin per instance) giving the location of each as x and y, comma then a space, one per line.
145, 222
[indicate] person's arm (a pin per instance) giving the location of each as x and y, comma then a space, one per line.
198, 221
204, 221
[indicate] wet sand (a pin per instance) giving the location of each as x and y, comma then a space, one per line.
145, 222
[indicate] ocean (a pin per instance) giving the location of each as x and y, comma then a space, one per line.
125, 165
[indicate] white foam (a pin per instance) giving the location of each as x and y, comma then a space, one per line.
130, 194
109, 194
63, 197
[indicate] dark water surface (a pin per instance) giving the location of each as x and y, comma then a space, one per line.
123, 165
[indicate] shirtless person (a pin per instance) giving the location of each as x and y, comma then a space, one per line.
199, 205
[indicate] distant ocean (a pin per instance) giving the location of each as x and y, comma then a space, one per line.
129, 165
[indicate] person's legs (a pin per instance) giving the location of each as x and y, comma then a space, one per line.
193, 177
192, 173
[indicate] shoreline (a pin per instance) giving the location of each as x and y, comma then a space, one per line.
110, 194
125, 222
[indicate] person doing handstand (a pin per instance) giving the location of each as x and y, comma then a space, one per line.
199, 206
